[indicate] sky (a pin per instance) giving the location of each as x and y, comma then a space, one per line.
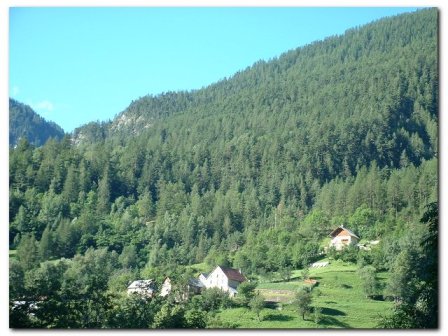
75, 65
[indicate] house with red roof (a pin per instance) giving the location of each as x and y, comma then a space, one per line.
224, 278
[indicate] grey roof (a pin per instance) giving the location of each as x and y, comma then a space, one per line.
142, 284
196, 283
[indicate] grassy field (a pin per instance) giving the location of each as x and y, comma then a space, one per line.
339, 294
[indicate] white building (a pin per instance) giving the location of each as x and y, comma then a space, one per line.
142, 287
224, 278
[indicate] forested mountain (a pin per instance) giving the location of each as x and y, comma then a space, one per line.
251, 172
25, 123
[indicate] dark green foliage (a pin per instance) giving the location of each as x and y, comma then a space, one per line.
27, 124
286, 273
27, 252
133, 312
169, 317
256, 304
370, 283
415, 282
213, 299
195, 319
252, 172
302, 301
349, 254
246, 292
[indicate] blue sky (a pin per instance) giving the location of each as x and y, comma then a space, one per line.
75, 65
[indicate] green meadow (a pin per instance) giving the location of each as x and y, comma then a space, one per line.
338, 294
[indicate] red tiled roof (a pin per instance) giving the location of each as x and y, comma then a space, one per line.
233, 274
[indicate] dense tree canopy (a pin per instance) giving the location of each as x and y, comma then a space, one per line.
251, 172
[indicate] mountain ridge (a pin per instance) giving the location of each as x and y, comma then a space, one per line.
24, 122
145, 111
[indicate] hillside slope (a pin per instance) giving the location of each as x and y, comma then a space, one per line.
24, 122
252, 172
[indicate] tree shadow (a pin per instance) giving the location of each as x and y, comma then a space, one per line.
293, 278
333, 312
346, 286
378, 297
329, 321
270, 304
276, 317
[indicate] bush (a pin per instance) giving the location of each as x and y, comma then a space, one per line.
195, 319
349, 254
246, 291
212, 299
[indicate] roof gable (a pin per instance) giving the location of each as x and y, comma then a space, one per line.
340, 229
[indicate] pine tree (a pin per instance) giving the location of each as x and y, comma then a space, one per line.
46, 245
103, 202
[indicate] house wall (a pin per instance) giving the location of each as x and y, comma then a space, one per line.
217, 279
166, 288
343, 239
203, 279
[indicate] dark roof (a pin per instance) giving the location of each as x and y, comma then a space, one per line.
204, 274
339, 229
233, 274
195, 283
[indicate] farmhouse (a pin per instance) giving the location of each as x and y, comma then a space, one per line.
225, 278
342, 237
142, 287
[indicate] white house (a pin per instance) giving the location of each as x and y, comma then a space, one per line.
342, 237
142, 287
225, 278
166, 287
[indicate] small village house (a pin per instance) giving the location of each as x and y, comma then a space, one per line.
142, 287
225, 278
342, 237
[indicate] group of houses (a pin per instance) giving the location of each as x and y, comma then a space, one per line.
225, 278
228, 279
